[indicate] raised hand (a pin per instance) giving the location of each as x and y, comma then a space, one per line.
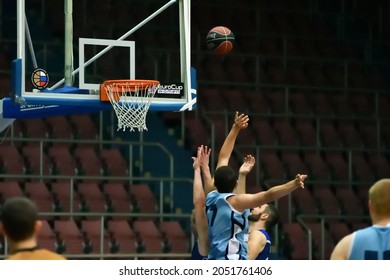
196, 160
299, 180
247, 166
241, 120
204, 156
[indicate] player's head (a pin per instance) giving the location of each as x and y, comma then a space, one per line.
379, 200
19, 218
225, 179
267, 213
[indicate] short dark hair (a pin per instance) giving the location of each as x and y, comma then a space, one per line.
18, 216
273, 217
225, 179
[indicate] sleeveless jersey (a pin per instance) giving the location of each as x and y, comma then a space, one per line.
264, 254
371, 243
228, 228
195, 255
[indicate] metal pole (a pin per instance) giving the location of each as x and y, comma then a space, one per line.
71, 197
124, 36
102, 236
30, 45
322, 238
350, 166
130, 166
185, 45
68, 43
161, 199
20, 26
40, 158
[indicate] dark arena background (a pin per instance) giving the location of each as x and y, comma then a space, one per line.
313, 75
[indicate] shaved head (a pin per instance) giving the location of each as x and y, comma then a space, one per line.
379, 197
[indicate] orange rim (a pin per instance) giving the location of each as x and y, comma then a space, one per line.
132, 85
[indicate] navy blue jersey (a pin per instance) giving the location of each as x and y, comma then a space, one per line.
264, 254
195, 255
371, 243
228, 228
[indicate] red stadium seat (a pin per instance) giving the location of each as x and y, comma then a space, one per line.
91, 195
69, 236
46, 236
10, 189
123, 238
114, 163
144, 198
118, 197
62, 196
32, 153
40, 194
297, 241
11, 161
151, 238
94, 234
88, 160
63, 161
84, 127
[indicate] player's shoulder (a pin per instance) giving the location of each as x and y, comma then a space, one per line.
39, 254
264, 232
54, 256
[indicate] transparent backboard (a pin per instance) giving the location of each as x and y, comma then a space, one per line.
66, 49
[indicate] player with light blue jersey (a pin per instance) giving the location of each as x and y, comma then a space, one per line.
371, 243
228, 228
227, 213
201, 165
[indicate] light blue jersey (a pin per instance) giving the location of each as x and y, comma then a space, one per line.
371, 243
228, 228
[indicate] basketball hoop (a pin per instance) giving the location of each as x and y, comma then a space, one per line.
131, 101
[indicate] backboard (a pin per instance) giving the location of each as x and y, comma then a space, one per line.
66, 49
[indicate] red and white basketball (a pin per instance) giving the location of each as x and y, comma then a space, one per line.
220, 40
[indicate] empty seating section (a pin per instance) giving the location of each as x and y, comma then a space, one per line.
91, 197
122, 237
151, 239
70, 239
175, 235
118, 199
144, 199
316, 107
332, 131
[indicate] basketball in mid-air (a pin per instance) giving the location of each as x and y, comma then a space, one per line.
220, 40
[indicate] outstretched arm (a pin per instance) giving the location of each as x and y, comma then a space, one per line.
205, 167
198, 193
242, 202
199, 206
245, 168
240, 122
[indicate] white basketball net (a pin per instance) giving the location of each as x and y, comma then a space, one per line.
131, 106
